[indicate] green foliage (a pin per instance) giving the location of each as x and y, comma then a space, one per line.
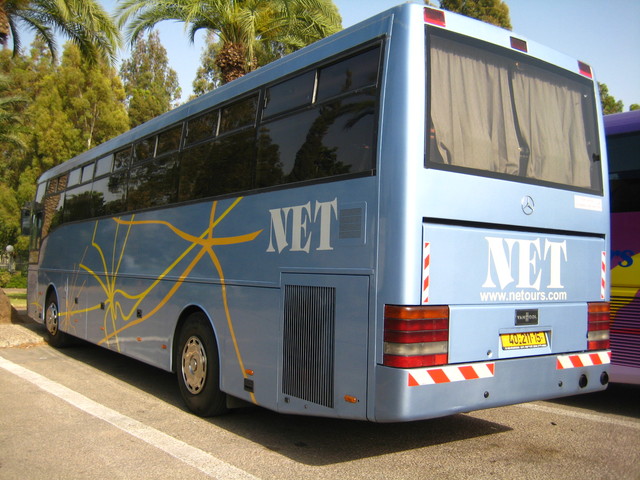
9, 221
495, 12
251, 32
5, 278
208, 75
13, 280
84, 22
151, 87
17, 280
609, 103
71, 107
79, 107
10, 119
634, 106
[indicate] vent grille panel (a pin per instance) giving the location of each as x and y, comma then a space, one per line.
350, 223
308, 344
625, 331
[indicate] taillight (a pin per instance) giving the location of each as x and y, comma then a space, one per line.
598, 326
585, 69
416, 336
519, 44
434, 17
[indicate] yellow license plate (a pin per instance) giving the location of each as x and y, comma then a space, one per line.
512, 341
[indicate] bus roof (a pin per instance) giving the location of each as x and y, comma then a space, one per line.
617, 123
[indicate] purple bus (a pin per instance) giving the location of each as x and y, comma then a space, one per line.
623, 148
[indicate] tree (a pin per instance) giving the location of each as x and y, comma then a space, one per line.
10, 120
634, 106
609, 103
84, 22
79, 106
249, 31
25, 76
151, 87
9, 221
495, 12
207, 75
11, 138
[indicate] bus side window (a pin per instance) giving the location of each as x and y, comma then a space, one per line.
238, 114
109, 194
54, 204
218, 167
121, 158
293, 93
202, 127
74, 177
144, 150
77, 203
169, 140
194, 172
103, 166
348, 75
87, 173
153, 183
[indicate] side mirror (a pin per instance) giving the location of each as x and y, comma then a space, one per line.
25, 221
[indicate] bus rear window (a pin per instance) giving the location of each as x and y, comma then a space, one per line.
502, 114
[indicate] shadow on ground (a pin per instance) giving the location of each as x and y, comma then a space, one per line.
308, 440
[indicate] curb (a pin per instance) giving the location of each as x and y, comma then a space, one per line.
21, 335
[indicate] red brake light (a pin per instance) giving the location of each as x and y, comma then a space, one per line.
434, 17
598, 320
519, 44
416, 336
585, 69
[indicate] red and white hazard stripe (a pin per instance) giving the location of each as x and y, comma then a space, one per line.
426, 261
450, 373
583, 360
603, 275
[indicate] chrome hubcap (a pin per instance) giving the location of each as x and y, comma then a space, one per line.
194, 365
52, 319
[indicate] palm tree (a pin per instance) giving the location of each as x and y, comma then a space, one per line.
10, 121
251, 32
84, 22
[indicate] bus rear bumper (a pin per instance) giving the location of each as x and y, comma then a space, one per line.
421, 393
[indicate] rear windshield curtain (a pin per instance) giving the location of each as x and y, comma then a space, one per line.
496, 114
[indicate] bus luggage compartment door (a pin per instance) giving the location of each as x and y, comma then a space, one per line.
324, 345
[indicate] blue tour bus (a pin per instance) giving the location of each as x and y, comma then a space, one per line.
402, 221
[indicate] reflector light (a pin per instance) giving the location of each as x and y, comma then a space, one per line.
416, 336
434, 17
585, 69
519, 44
417, 361
598, 322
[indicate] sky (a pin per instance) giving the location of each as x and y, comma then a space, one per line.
602, 33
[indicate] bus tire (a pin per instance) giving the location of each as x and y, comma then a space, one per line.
55, 337
198, 368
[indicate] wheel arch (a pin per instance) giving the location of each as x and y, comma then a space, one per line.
51, 290
182, 319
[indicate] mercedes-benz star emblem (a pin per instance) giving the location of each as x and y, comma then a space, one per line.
528, 205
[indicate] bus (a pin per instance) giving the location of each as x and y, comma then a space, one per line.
623, 150
402, 221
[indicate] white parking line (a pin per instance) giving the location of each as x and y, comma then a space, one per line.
178, 449
582, 415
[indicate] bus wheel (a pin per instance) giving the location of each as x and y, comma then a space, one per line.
55, 337
198, 369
